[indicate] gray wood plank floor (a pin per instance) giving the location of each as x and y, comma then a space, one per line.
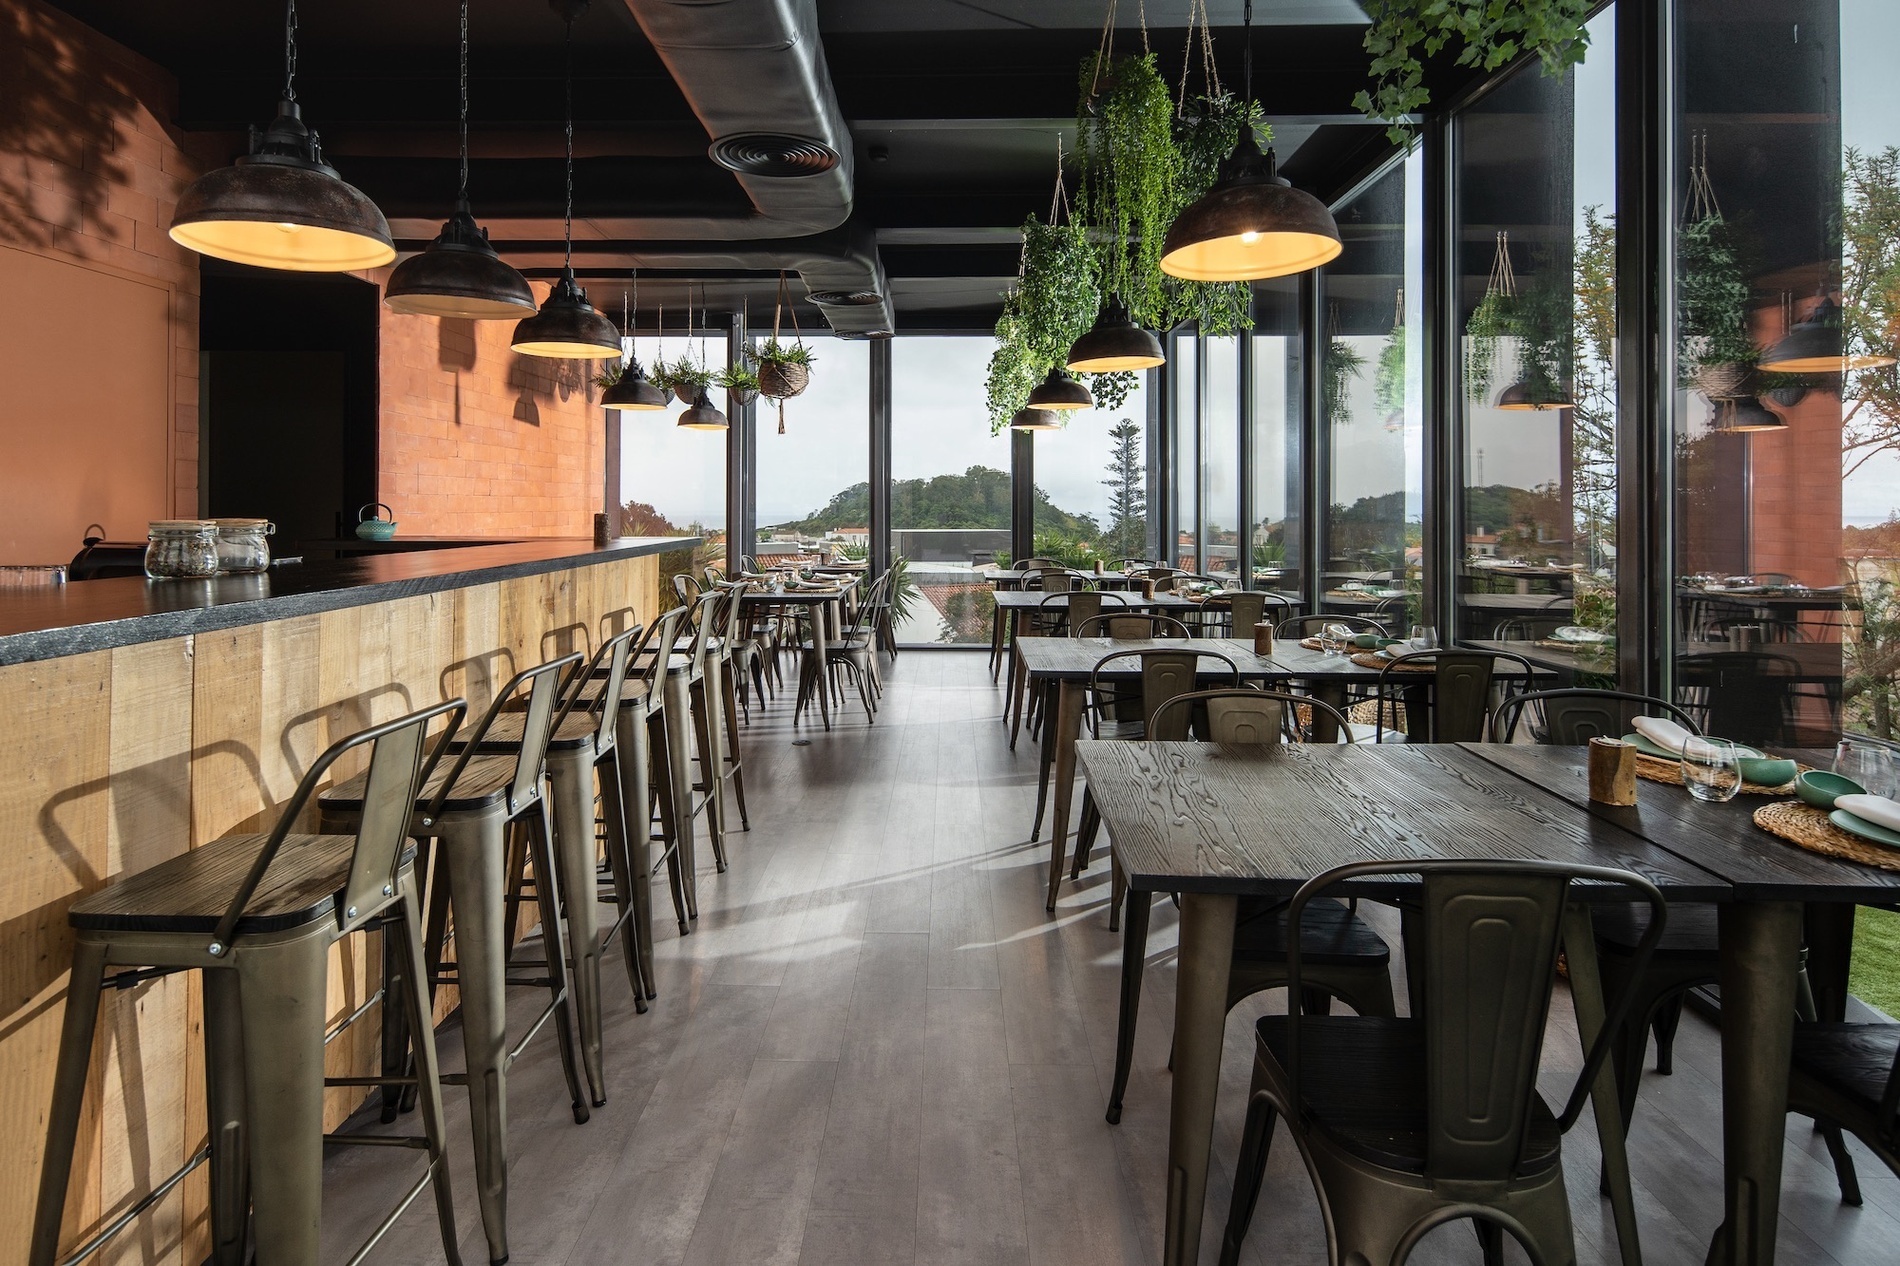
876, 1048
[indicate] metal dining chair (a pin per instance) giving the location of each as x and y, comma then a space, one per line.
1397, 1134
1133, 626
1346, 959
1301, 626
1456, 698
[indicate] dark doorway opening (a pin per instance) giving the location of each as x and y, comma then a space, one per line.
289, 392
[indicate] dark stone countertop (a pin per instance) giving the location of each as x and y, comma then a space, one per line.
96, 615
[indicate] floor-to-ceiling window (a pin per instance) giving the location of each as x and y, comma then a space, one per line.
1787, 417
1371, 403
1182, 546
1220, 456
1276, 532
811, 489
1534, 263
1092, 484
950, 486
673, 480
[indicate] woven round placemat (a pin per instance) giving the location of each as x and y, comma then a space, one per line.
1656, 769
1312, 644
1807, 826
1366, 659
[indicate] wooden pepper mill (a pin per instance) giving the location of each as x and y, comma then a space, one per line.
1612, 771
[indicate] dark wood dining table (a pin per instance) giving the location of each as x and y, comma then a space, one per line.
826, 608
1215, 823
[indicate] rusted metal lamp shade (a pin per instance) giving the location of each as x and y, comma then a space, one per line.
459, 275
1522, 396
631, 392
1036, 420
1115, 343
282, 206
1252, 224
567, 327
1746, 413
1060, 391
702, 416
1814, 346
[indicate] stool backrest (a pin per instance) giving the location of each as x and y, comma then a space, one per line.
396, 775
615, 651
1164, 674
1488, 939
1573, 717
542, 685
659, 639
686, 589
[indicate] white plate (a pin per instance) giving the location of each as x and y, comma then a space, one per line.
1580, 635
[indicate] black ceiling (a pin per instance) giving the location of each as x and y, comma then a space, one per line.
953, 106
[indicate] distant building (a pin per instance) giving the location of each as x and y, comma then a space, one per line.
1481, 544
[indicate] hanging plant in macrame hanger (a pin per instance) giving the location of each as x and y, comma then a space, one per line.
1492, 320
738, 377
784, 371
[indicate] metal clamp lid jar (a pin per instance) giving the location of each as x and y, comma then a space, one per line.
181, 549
242, 545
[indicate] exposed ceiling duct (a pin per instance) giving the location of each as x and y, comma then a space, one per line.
754, 73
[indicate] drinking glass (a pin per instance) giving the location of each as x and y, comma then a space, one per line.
1872, 765
1711, 769
1424, 637
1334, 638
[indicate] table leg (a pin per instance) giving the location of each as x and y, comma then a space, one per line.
1830, 933
1200, 1020
1019, 679
1068, 723
1761, 950
1586, 995
1134, 961
821, 652
1334, 693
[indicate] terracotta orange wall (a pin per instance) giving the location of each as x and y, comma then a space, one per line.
89, 174
479, 441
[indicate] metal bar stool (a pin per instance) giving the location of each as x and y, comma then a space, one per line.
257, 914
698, 679
466, 813
665, 666
581, 744
733, 652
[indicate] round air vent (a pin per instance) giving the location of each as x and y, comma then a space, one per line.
770, 154
846, 298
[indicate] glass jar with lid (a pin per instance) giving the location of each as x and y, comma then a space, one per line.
181, 549
243, 545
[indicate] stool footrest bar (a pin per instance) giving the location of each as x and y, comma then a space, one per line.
144, 1202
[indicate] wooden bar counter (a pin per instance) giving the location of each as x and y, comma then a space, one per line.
144, 717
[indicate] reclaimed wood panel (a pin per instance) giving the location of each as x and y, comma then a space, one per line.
126, 757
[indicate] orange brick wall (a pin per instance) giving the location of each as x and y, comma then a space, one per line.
89, 175
479, 441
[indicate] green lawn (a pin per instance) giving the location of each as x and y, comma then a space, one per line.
1875, 975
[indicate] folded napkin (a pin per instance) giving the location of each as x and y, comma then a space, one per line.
1875, 809
1663, 733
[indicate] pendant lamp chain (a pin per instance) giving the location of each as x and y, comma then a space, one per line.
567, 220
464, 115
290, 50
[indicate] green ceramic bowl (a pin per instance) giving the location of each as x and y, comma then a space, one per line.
1366, 641
1820, 788
1769, 773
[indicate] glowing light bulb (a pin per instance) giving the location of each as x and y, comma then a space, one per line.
1249, 237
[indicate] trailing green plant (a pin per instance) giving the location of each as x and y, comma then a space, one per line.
1486, 34
1130, 175
1111, 391
1204, 134
1489, 323
1388, 377
1343, 363
1053, 304
1712, 302
610, 374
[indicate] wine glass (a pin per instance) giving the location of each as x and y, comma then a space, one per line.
1869, 764
1711, 769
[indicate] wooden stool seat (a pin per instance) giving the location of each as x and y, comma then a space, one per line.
191, 892
483, 782
633, 694
577, 731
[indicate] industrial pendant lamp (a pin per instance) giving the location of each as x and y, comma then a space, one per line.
459, 275
567, 327
1060, 391
1744, 414
631, 391
1253, 223
1521, 396
1813, 345
1115, 343
1036, 420
281, 205
701, 416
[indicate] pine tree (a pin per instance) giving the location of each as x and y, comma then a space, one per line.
1127, 485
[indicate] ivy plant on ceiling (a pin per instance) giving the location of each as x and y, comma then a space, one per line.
1486, 34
